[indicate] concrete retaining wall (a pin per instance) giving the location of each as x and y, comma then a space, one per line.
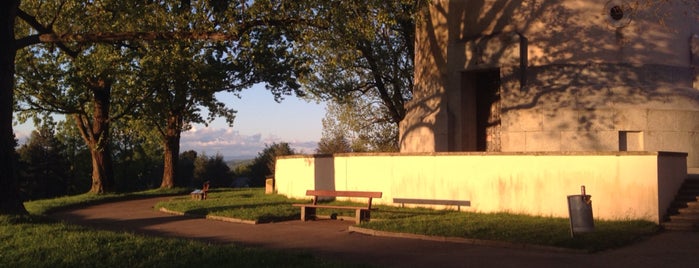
623, 185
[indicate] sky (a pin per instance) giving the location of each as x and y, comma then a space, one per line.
260, 121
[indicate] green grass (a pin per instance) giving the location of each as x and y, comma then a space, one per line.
43, 207
36, 241
253, 204
521, 229
245, 204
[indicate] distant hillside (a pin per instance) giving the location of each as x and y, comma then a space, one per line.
232, 164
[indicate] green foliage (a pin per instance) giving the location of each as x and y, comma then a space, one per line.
546, 231
212, 169
185, 168
26, 244
138, 160
263, 165
245, 204
41, 169
76, 154
362, 60
353, 127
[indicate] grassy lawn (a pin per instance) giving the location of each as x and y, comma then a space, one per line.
253, 204
35, 241
245, 204
522, 229
43, 207
38, 241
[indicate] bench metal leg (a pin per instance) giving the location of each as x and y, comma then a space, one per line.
308, 213
362, 215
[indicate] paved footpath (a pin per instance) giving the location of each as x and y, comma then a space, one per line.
331, 239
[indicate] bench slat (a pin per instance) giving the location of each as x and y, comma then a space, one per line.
432, 201
308, 211
344, 193
328, 206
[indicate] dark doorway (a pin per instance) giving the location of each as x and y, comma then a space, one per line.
481, 110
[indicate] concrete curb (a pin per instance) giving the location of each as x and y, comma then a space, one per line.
469, 241
209, 217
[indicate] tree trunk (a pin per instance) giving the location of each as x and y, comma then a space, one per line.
96, 136
10, 202
171, 144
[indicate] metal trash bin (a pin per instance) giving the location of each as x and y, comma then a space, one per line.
580, 213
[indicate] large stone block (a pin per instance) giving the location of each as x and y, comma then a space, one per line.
589, 141
560, 119
513, 141
523, 120
543, 141
596, 120
631, 119
664, 120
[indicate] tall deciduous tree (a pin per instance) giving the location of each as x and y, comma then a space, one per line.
43, 170
356, 127
10, 202
184, 76
363, 55
95, 88
93, 84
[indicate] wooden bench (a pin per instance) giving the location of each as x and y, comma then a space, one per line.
308, 211
200, 194
417, 201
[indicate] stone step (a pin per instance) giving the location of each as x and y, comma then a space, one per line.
689, 189
687, 198
693, 217
683, 214
683, 204
679, 210
681, 226
688, 210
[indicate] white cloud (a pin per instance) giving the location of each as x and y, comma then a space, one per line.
232, 144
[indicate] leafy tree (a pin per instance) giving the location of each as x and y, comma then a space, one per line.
183, 77
337, 143
10, 201
185, 168
42, 167
212, 169
93, 83
263, 165
363, 57
353, 127
76, 155
137, 156
93, 88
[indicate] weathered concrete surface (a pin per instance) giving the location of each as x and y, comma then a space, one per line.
566, 76
623, 185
